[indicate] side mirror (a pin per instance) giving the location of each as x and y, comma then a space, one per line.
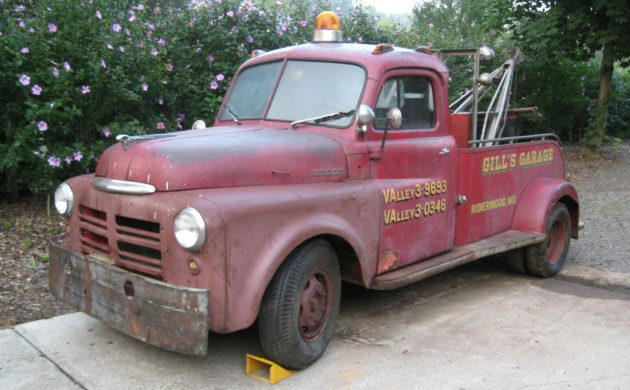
394, 121
394, 118
199, 124
365, 116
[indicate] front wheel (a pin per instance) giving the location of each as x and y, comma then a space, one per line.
547, 258
299, 310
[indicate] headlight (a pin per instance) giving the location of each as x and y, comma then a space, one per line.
64, 200
190, 230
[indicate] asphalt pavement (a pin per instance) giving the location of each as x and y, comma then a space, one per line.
476, 327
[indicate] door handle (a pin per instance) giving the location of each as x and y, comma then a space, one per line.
444, 151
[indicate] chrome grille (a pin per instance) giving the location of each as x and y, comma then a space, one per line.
135, 242
93, 230
138, 245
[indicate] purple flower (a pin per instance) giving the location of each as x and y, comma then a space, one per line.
160, 125
132, 17
154, 52
169, 67
31, 30
107, 132
161, 101
121, 48
210, 58
249, 39
230, 14
42, 126
116, 27
20, 8
110, 47
24, 50
314, 7
98, 14
284, 27
145, 87
220, 77
25, 80
78, 156
234, 30
22, 24
161, 42
68, 159
52, 27
151, 26
430, 25
214, 85
303, 23
54, 161
85, 89
103, 63
37, 90
55, 71
66, 66
140, 7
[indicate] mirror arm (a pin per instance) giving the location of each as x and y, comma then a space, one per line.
384, 135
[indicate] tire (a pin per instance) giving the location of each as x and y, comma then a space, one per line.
548, 257
307, 282
514, 261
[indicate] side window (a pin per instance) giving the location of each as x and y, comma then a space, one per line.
413, 95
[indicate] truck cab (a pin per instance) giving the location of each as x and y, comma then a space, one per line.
327, 161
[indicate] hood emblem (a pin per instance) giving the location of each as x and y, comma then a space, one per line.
328, 172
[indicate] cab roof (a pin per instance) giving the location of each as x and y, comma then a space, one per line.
362, 54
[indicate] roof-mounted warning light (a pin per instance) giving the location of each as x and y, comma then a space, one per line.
327, 28
383, 48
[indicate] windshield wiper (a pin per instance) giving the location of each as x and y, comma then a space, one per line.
324, 118
233, 114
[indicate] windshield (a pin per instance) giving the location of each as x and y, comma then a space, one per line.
307, 89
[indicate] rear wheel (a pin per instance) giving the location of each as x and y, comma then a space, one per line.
299, 309
547, 258
514, 260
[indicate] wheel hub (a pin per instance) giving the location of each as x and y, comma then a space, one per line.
315, 303
555, 242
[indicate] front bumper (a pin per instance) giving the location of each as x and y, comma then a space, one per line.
158, 313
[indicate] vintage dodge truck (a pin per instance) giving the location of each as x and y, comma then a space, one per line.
327, 162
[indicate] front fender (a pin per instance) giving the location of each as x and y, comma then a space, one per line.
265, 224
536, 201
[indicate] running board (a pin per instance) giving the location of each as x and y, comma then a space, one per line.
459, 255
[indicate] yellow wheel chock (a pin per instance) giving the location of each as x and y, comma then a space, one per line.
265, 370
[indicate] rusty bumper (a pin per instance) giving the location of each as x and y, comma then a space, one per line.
167, 316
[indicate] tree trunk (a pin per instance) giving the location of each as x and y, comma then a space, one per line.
597, 130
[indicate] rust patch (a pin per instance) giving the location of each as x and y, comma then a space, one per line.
387, 261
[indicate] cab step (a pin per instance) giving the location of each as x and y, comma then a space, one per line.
457, 256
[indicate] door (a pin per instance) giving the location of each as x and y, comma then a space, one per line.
414, 170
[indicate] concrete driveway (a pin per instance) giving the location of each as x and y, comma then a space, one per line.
476, 327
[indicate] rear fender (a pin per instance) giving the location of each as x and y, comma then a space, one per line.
536, 201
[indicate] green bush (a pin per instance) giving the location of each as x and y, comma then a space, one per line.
74, 74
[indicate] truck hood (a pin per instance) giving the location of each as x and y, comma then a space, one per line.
226, 157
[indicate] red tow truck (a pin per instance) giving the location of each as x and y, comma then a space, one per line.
328, 161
